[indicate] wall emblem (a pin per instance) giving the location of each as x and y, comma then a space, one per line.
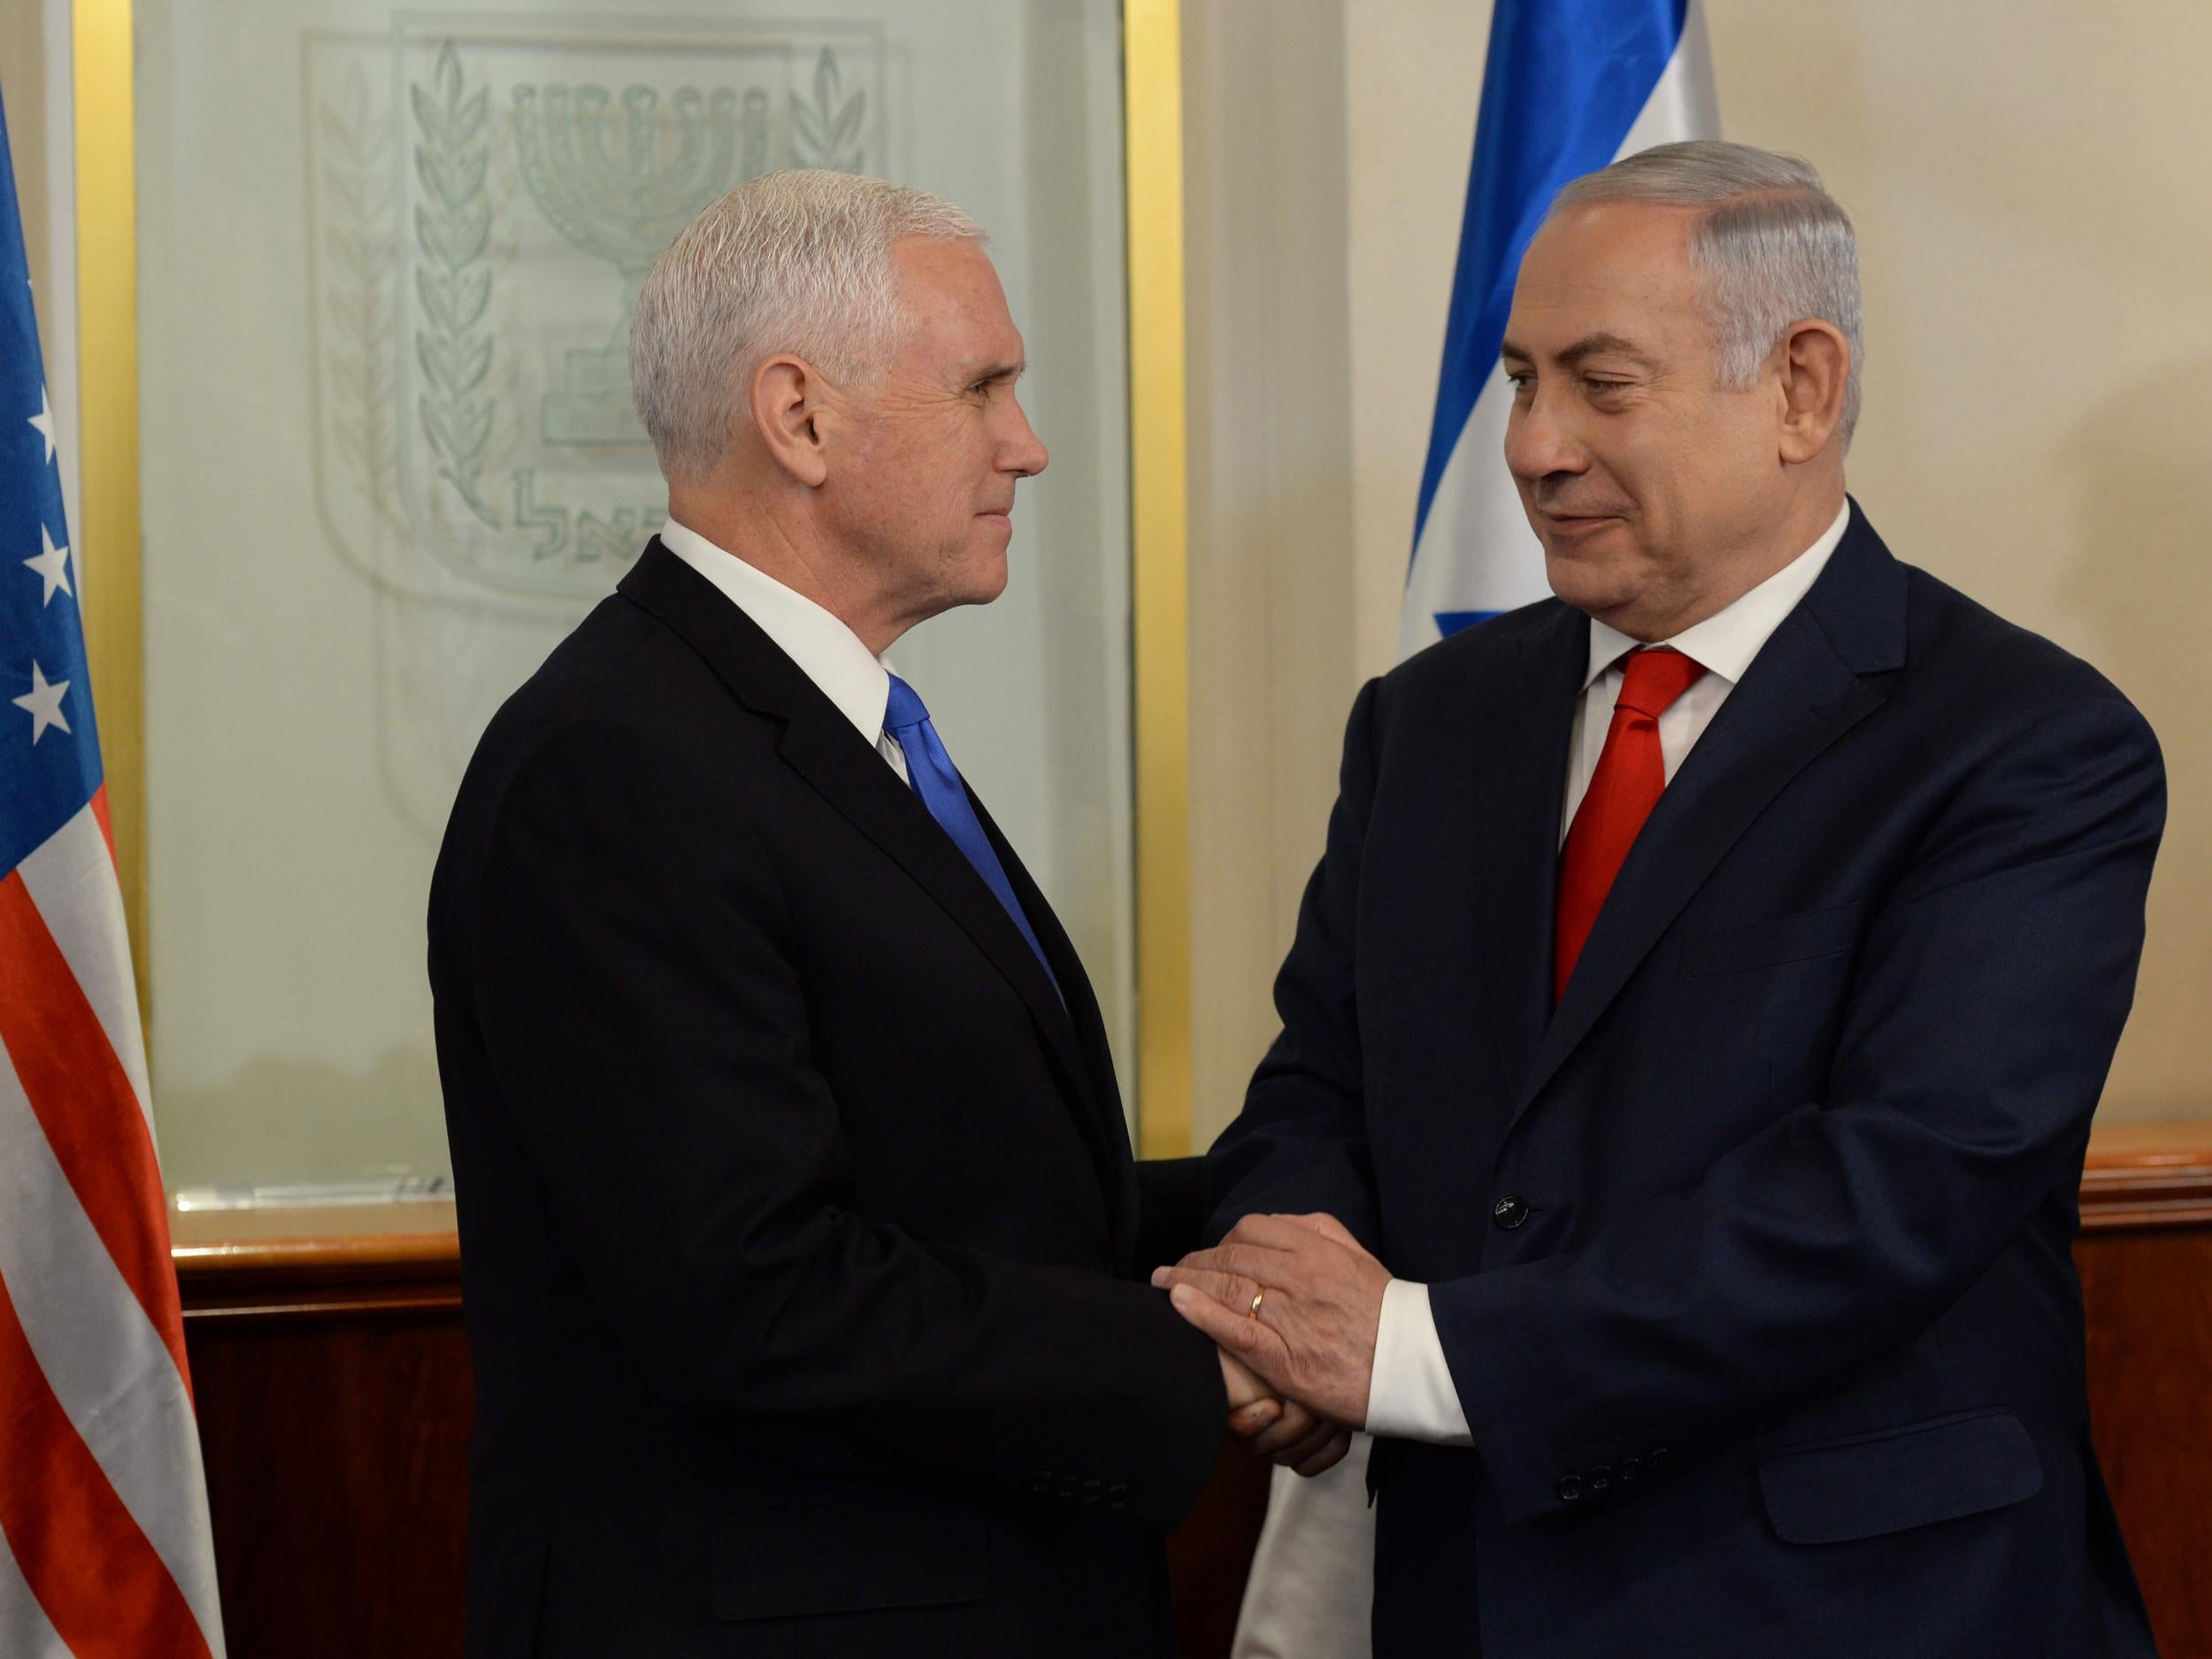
484, 199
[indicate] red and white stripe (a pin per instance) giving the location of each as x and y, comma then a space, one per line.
105, 1544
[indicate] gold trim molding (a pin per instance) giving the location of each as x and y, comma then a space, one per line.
1153, 91
107, 422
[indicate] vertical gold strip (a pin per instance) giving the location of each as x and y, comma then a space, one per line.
1152, 73
107, 403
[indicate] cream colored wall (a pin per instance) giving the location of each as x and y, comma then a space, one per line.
2028, 182
1272, 599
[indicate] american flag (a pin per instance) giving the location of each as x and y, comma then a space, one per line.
104, 1546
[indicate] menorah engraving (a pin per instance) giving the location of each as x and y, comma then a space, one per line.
618, 185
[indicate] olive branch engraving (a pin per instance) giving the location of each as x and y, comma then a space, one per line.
828, 129
452, 279
362, 307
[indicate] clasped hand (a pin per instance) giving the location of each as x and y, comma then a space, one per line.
1294, 1304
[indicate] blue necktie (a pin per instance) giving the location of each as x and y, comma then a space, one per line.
930, 768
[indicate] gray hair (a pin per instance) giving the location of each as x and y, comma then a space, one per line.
1772, 246
797, 262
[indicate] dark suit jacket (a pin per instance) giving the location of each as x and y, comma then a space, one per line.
1751, 1261
798, 1221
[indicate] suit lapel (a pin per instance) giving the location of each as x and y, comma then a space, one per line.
1108, 1134
1819, 675
820, 745
1513, 826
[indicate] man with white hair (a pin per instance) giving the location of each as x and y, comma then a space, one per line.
1672, 1148
801, 1246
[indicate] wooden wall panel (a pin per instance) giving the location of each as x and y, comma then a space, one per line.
337, 1465
2145, 1257
331, 1373
2149, 1302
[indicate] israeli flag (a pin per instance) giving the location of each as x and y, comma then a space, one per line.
1569, 87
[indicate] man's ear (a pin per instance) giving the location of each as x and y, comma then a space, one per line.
786, 404
1816, 370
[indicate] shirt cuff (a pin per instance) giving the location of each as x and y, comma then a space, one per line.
1410, 1396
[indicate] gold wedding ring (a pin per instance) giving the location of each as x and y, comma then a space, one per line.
1255, 1311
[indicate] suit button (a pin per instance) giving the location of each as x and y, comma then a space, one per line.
1601, 1477
1569, 1489
1069, 1487
1093, 1491
1632, 1469
1509, 1212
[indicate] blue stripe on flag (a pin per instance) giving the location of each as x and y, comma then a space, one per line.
1451, 622
1564, 82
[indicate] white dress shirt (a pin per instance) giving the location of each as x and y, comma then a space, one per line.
827, 652
1411, 1395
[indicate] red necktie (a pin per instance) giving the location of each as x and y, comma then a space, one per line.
1631, 777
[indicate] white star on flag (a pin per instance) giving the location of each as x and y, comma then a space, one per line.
44, 702
45, 421
52, 566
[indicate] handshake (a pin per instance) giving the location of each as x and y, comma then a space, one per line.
1294, 1304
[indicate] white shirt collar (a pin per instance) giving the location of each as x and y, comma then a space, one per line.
1725, 643
827, 652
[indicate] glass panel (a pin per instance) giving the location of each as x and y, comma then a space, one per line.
386, 259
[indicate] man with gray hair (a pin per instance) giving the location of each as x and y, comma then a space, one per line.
1671, 1151
801, 1246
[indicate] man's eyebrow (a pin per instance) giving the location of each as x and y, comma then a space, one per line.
1591, 345
1012, 371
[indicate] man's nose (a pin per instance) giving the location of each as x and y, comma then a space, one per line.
1022, 453
1539, 442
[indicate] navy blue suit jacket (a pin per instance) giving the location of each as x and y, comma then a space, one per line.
1751, 1260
